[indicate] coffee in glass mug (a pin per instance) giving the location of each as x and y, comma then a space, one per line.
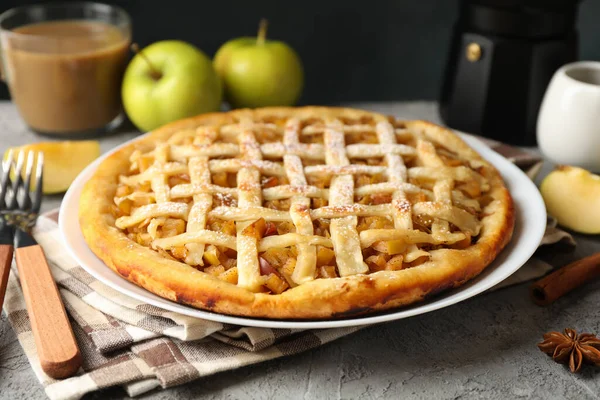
63, 64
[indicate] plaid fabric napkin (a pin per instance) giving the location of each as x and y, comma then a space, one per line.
141, 347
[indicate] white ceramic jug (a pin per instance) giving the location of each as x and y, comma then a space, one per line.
568, 125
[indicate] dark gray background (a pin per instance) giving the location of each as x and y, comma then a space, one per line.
352, 50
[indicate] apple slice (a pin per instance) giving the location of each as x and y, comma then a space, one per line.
572, 196
63, 161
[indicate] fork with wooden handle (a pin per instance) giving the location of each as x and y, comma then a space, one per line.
54, 339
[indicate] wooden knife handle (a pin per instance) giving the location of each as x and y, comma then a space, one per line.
6, 256
56, 346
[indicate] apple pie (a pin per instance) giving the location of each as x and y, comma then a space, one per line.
297, 213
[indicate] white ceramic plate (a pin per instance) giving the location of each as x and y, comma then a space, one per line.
529, 230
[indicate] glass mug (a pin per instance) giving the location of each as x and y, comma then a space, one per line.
63, 63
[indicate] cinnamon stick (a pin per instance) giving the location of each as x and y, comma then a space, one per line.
562, 281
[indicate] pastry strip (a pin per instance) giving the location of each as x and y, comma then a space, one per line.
346, 243
300, 207
249, 195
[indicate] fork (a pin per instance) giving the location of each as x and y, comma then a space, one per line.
54, 339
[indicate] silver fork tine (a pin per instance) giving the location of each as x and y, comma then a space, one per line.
26, 203
29, 169
5, 179
12, 201
39, 181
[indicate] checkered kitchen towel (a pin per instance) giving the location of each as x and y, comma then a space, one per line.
140, 347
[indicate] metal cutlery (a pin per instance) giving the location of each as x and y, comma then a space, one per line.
55, 342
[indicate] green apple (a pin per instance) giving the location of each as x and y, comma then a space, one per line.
167, 81
257, 72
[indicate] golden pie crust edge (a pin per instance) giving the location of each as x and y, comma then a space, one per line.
319, 299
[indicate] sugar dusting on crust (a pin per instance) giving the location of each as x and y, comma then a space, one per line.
345, 190
402, 205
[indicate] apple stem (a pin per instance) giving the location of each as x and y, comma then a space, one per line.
155, 73
262, 32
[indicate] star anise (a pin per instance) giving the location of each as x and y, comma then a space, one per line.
571, 348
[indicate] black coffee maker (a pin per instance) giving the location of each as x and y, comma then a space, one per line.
502, 57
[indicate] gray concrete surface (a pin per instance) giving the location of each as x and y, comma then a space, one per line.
482, 348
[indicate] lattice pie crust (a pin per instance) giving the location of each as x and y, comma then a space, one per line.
297, 212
